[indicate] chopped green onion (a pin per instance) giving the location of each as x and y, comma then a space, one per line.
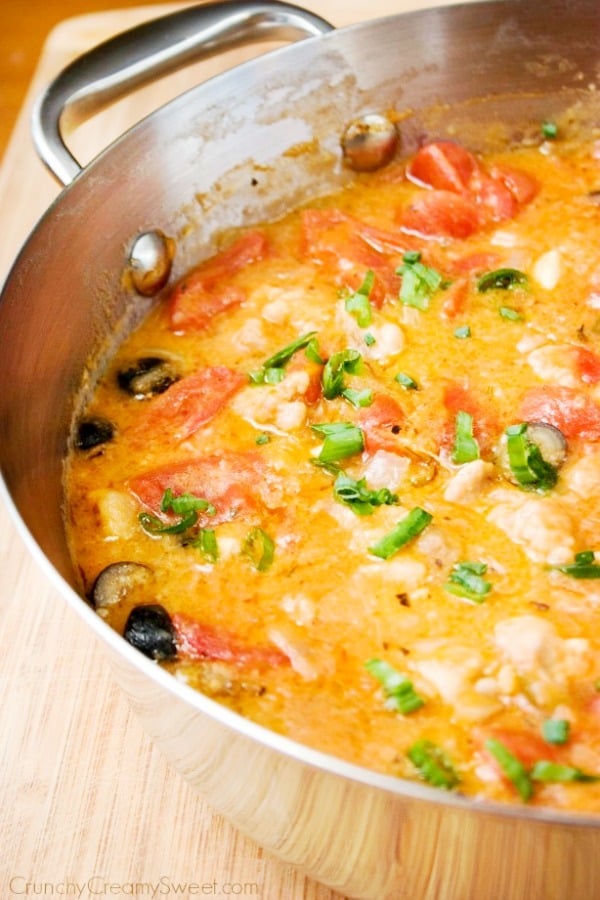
512, 767
397, 688
556, 731
462, 332
406, 381
336, 368
512, 315
369, 339
526, 462
313, 353
584, 566
342, 439
206, 542
262, 439
358, 303
502, 280
549, 130
271, 371
465, 580
433, 764
358, 399
358, 497
544, 770
259, 548
419, 282
153, 525
465, 448
406, 530
185, 503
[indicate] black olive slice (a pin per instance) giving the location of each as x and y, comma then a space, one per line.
93, 432
147, 376
150, 630
117, 581
550, 441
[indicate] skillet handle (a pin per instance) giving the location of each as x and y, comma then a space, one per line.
141, 54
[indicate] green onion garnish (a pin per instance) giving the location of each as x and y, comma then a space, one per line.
187, 506
549, 130
462, 332
419, 282
271, 371
512, 767
512, 315
502, 280
544, 770
398, 690
406, 381
406, 530
465, 448
206, 542
342, 439
556, 731
530, 469
465, 580
584, 566
433, 764
369, 339
337, 366
358, 497
358, 303
262, 439
153, 525
259, 548
358, 399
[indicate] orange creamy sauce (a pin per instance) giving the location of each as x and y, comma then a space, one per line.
281, 611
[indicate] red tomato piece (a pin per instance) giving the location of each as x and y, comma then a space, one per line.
197, 640
571, 411
455, 298
461, 398
441, 213
200, 296
522, 186
496, 202
381, 422
443, 165
235, 483
527, 746
189, 403
588, 365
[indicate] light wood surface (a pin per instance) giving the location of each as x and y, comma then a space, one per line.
86, 802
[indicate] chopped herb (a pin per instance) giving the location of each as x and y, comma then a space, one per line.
358, 399
584, 566
465, 580
556, 731
262, 439
358, 303
271, 371
433, 764
462, 332
370, 339
206, 542
544, 770
313, 353
530, 469
153, 525
406, 530
512, 315
512, 767
406, 381
549, 130
186, 506
342, 439
358, 497
419, 282
397, 688
502, 280
259, 548
336, 368
465, 448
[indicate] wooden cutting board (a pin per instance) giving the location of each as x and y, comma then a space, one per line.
88, 806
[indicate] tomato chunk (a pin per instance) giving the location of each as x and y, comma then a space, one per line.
588, 365
568, 409
381, 423
189, 403
440, 213
201, 295
443, 165
197, 640
460, 397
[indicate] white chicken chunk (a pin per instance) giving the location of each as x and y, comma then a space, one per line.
542, 526
466, 485
280, 405
555, 364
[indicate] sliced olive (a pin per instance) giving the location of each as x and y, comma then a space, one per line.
549, 440
118, 581
150, 630
147, 376
93, 432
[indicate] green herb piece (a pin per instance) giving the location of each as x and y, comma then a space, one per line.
259, 548
398, 690
369, 339
556, 731
271, 371
358, 497
547, 771
512, 767
358, 399
406, 530
337, 366
313, 353
549, 130
419, 282
342, 439
530, 469
512, 315
185, 505
584, 566
406, 381
465, 448
502, 280
358, 303
263, 439
433, 764
206, 542
462, 332
154, 526
465, 580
